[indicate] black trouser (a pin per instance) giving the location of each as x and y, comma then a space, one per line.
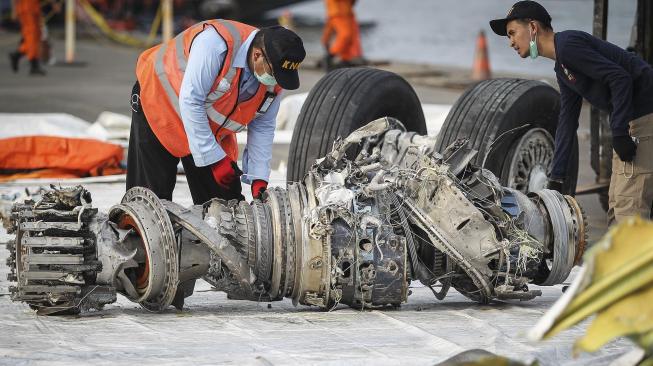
150, 165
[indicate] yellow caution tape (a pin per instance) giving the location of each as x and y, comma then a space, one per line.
123, 38
155, 26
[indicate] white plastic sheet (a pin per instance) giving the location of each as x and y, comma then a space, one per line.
214, 330
43, 124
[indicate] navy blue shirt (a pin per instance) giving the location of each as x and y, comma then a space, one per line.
608, 77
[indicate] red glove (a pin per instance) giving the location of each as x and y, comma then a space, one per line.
225, 172
258, 187
227, 175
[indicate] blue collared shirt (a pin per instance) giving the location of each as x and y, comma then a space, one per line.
206, 56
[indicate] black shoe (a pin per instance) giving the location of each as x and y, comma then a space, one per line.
35, 68
14, 57
327, 63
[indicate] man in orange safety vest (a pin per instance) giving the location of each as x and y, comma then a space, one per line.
195, 92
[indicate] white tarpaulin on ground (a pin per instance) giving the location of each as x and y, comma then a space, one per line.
112, 127
214, 330
43, 124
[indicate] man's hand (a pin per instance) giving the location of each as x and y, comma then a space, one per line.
555, 184
227, 175
259, 186
625, 147
225, 172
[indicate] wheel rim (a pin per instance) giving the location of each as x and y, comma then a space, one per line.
530, 161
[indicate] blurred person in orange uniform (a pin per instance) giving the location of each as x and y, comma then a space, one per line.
29, 16
345, 50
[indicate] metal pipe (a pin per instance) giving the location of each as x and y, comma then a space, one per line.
167, 12
600, 132
70, 31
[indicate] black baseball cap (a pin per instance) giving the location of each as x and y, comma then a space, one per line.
521, 10
285, 52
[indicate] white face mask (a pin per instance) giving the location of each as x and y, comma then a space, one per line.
533, 45
266, 79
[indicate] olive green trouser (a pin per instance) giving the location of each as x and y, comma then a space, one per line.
631, 184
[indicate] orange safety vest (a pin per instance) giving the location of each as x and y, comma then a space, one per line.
160, 71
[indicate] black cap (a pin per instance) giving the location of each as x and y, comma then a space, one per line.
521, 10
285, 51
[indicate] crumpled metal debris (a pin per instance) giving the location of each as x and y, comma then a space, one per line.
356, 231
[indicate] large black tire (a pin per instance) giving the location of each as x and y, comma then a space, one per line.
344, 100
489, 109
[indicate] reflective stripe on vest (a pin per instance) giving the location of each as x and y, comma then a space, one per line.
163, 79
217, 93
230, 124
179, 47
182, 62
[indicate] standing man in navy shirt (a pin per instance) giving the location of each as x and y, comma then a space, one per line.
609, 78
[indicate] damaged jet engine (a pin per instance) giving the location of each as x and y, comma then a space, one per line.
382, 209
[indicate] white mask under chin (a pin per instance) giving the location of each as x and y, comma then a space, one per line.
533, 46
265, 79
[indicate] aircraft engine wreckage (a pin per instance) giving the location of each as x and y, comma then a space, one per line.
357, 231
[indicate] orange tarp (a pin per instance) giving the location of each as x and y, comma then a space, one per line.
57, 157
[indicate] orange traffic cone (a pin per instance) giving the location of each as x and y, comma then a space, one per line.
481, 70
